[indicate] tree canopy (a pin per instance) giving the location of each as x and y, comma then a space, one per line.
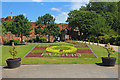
51, 29
95, 19
21, 26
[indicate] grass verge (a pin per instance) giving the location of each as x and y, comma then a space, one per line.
24, 49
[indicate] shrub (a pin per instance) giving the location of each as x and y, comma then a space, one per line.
110, 50
69, 41
7, 42
43, 40
37, 39
28, 40
13, 40
96, 40
106, 39
112, 40
118, 43
13, 52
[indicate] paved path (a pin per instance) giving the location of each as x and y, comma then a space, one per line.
116, 48
61, 71
0, 72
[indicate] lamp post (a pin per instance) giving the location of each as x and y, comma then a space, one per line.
81, 36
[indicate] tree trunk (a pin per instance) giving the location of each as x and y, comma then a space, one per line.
48, 38
21, 39
108, 54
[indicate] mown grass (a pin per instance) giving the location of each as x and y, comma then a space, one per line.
82, 47
24, 49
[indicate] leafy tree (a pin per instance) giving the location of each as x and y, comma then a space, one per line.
118, 30
88, 22
99, 25
1, 29
39, 30
6, 26
21, 26
102, 7
97, 6
96, 19
50, 27
109, 10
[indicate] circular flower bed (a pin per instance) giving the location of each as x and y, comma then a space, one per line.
61, 49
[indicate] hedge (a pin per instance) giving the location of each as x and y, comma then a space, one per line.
114, 40
42, 40
12, 40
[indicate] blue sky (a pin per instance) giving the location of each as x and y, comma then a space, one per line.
32, 10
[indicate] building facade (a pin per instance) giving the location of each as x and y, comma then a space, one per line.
9, 36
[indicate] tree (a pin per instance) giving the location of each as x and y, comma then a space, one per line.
21, 26
99, 25
118, 30
50, 27
39, 30
6, 26
52, 30
109, 10
1, 29
86, 21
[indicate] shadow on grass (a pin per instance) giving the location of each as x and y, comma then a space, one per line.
15, 44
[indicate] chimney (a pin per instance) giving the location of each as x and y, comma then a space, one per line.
8, 18
2, 20
13, 17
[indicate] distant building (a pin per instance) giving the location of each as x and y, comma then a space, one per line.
65, 33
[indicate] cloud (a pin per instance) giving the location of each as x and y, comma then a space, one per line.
42, 3
37, 0
77, 5
55, 9
61, 18
24, 14
67, 5
53, 16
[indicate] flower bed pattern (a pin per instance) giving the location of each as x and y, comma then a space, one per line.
82, 51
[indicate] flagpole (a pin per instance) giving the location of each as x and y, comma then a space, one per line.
11, 14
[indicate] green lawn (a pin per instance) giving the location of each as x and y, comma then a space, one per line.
24, 49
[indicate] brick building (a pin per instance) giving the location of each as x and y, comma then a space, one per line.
10, 36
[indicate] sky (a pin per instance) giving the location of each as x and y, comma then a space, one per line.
35, 8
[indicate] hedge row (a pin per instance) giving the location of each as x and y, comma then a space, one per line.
114, 40
12, 40
41, 40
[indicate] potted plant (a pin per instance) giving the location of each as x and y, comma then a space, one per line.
109, 61
13, 62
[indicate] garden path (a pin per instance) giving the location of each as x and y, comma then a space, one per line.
61, 71
116, 48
